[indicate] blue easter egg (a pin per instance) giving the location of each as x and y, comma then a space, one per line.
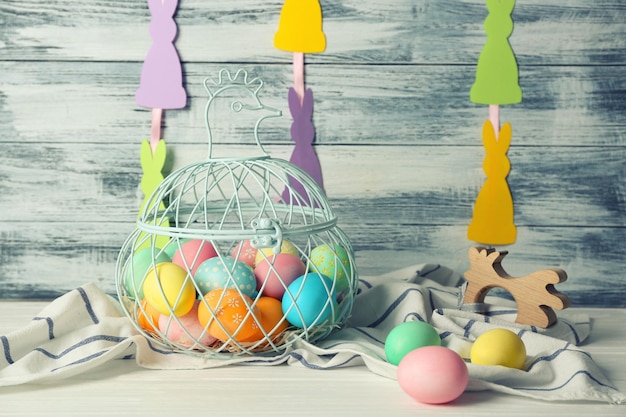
218, 273
309, 300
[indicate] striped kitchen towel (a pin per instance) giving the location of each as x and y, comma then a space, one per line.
85, 328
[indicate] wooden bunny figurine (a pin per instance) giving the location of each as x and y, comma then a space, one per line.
534, 294
492, 222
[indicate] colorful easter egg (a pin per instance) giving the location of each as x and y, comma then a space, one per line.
191, 254
244, 252
274, 274
167, 288
273, 321
309, 300
433, 374
285, 247
499, 347
226, 272
141, 262
148, 316
173, 246
186, 330
333, 262
409, 336
228, 314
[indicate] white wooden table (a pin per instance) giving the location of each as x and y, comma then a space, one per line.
121, 388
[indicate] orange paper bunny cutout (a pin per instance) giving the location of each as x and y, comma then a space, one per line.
492, 223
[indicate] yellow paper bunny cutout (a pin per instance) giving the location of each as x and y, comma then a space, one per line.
300, 27
492, 223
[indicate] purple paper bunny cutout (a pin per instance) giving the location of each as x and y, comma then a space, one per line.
303, 133
161, 84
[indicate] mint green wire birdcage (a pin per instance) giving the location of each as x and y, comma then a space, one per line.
225, 201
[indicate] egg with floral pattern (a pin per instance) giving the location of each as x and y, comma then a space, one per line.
245, 252
229, 314
332, 261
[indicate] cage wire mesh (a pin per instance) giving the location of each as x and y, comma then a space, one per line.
229, 258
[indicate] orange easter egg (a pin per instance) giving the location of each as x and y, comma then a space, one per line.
273, 321
150, 319
229, 316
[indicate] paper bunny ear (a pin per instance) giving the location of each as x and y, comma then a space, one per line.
162, 7
296, 108
489, 136
307, 102
152, 161
500, 143
293, 101
500, 6
504, 137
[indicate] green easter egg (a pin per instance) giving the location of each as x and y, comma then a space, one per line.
332, 262
407, 337
140, 264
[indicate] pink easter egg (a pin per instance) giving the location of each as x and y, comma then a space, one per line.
174, 329
274, 274
244, 252
433, 374
192, 253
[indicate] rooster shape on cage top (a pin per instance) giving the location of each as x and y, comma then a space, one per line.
228, 197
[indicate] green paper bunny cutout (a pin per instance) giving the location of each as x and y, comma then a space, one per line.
152, 165
496, 72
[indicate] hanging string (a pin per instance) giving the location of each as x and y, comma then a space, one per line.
155, 129
494, 117
298, 75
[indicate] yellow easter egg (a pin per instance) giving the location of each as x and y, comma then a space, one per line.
499, 347
168, 288
285, 247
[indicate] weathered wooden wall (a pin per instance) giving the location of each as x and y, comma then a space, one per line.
398, 138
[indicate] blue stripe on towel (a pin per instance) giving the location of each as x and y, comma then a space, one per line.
553, 356
426, 273
309, 365
270, 360
50, 326
7, 350
581, 372
574, 332
445, 334
360, 330
98, 338
394, 305
88, 307
365, 283
410, 316
500, 312
82, 360
467, 328
157, 350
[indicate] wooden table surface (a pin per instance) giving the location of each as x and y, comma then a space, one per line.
121, 388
